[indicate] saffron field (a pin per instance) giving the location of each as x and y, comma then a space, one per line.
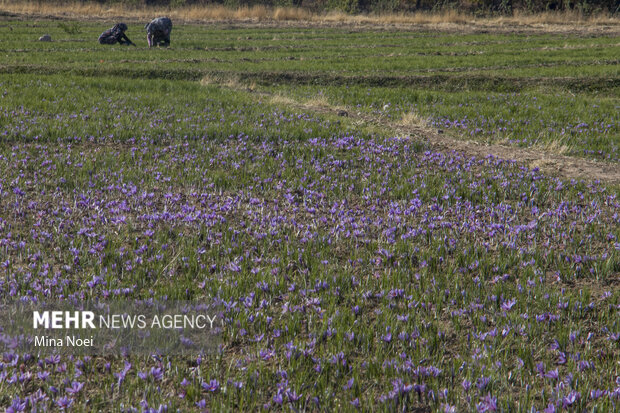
357, 268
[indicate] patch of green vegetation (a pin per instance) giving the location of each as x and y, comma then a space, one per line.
548, 91
537, 117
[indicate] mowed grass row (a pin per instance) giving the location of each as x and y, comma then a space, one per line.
554, 92
313, 50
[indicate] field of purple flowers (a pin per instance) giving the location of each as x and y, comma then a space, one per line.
356, 271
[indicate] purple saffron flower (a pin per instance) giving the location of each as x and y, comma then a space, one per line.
212, 386
487, 404
236, 384
64, 402
482, 382
75, 388
292, 396
17, 405
571, 399
278, 398
507, 305
157, 373
348, 385
448, 409
466, 385
553, 374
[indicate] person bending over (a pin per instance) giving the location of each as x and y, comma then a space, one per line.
115, 35
158, 32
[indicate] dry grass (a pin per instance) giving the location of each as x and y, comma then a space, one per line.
449, 16
291, 13
281, 100
318, 101
74, 9
190, 13
555, 146
562, 18
414, 119
262, 13
230, 81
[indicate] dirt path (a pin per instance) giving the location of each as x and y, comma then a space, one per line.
563, 166
553, 164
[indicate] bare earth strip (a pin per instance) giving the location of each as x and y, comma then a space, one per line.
553, 164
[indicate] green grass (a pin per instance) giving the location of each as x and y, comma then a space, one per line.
116, 110
521, 89
583, 124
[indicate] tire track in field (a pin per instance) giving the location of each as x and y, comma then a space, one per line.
553, 164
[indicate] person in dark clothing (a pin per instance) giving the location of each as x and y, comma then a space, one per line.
115, 35
158, 32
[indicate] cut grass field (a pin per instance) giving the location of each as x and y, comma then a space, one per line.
357, 268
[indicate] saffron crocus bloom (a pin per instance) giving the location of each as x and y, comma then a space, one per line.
466, 385
212, 386
75, 388
449, 409
64, 402
507, 305
17, 405
482, 383
292, 396
571, 399
278, 398
553, 374
157, 373
487, 404
348, 385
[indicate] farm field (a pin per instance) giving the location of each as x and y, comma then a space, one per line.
358, 267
